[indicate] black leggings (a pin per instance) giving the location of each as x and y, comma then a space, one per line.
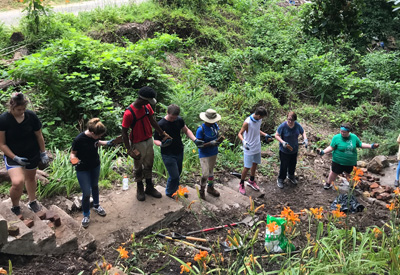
288, 164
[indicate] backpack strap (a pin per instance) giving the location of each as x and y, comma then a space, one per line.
146, 110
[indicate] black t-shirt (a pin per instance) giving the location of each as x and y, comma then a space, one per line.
20, 137
174, 130
86, 152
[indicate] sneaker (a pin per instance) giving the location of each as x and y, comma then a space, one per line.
279, 182
85, 222
241, 189
100, 210
327, 186
396, 183
253, 185
34, 206
16, 210
292, 179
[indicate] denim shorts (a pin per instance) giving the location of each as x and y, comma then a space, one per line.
250, 159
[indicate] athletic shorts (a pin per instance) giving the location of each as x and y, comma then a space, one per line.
339, 169
33, 163
250, 159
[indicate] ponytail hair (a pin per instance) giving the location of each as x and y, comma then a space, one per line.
96, 127
17, 99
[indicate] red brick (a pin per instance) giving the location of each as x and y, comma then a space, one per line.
29, 223
20, 217
374, 185
388, 189
57, 220
50, 216
51, 225
13, 230
377, 191
41, 215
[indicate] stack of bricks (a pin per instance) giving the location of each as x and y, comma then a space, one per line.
372, 187
54, 219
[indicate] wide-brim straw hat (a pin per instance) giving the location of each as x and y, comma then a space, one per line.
210, 116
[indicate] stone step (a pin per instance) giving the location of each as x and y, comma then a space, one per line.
71, 230
127, 215
3, 230
21, 244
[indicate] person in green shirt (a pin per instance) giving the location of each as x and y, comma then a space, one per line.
344, 156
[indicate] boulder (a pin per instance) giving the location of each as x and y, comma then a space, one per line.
377, 164
361, 164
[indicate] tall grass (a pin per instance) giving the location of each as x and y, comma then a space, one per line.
62, 175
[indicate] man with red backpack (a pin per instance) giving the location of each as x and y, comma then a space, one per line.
139, 118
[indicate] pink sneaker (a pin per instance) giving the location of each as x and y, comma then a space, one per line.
241, 189
253, 185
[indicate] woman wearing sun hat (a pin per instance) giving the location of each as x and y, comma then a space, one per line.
208, 132
344, 156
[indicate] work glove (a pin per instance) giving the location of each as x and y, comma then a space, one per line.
306, 143
21, 161
246, 145
166, 142
214, 143
268, 139
199, 143
287, 146
374, 145
74, 161
44, 158
320, 152
165, 136
110, 142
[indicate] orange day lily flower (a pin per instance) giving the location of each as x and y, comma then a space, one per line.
272, 227
376, 232
3, 271
317, 212
200, 256
180, 192
289, 215
186, 269
397, 191
390, 207
122, 252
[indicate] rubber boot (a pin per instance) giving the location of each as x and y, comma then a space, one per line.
212, 191
140, 192
202, 192
150, 190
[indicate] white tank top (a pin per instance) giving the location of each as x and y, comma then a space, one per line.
252, 136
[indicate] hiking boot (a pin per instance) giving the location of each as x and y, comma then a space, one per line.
99, 210
212, 191
16, 210
202, 192
253, 185
85, 222
34, 206
241, 189
396, 183
327, 186
279, 182
292, 179
150, 190
140, 192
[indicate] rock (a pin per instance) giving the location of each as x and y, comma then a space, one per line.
69, 205
374, 185
384, 196
361, 164
377, 164
366, 194
77, 203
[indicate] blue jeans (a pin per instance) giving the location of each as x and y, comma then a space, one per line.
398, 171
89, 183
173, 163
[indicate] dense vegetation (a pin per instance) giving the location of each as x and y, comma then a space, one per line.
323, 60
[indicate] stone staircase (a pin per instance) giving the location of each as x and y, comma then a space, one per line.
36, 235
125, 215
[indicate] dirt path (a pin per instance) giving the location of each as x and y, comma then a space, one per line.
12, 17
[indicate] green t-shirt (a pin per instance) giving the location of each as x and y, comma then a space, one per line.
345, 149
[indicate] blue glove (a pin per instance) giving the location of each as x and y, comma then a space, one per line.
110, 142
268, 139
199, 143
306, 143
44, 158
320, 152
166, 142
21, 161
246, 145
374, 145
